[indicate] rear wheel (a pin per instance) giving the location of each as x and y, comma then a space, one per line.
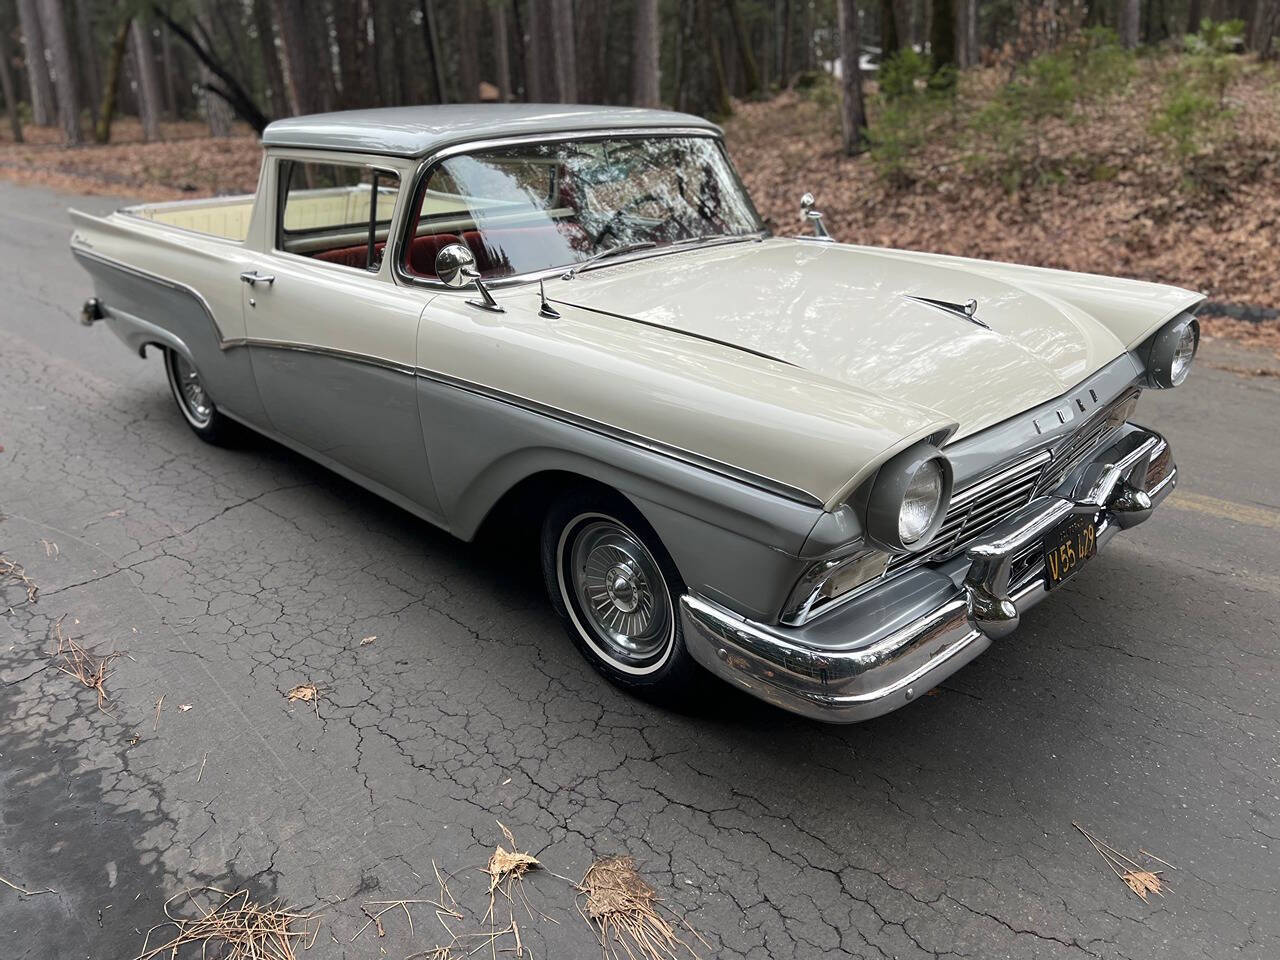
617, 592
193, 400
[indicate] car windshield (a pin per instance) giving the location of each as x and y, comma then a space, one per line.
539, 206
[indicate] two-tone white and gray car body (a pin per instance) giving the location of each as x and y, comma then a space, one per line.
829, 474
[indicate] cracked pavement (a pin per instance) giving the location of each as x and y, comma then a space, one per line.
1141, 702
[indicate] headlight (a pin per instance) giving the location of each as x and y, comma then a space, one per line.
1173, 350
908, 499
921, 501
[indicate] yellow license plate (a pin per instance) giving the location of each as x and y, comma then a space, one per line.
1068, 547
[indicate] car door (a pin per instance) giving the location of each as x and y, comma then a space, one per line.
331, 336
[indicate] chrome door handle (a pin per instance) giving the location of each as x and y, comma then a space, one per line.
252, 277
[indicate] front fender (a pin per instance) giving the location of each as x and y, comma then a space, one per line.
729, 540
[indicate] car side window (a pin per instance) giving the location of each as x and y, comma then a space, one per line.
335, 212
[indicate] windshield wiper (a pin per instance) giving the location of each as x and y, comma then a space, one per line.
605, 254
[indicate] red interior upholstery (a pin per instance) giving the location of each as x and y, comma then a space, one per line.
423, 250
349, 256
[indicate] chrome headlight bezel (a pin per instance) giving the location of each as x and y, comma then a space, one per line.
888, 492
1165, 352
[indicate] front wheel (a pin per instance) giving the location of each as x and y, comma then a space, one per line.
193, 400
617, 592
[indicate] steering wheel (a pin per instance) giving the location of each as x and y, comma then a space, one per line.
611, 224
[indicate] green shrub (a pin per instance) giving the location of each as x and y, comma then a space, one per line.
904, 74
1213, 52
1187, 121
910, 108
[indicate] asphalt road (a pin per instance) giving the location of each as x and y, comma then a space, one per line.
1143, 702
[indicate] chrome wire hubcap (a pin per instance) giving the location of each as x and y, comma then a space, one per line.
620, 591
190, 391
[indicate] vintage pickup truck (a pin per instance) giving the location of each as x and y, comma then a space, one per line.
830, 474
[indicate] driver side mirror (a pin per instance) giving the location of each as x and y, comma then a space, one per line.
456, 267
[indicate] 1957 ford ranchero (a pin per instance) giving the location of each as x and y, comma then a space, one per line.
829, 474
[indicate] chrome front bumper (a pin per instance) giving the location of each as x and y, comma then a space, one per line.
839, 669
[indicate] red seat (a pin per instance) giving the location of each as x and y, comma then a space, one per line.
348, 256
422, 253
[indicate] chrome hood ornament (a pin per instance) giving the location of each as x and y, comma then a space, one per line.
965, 311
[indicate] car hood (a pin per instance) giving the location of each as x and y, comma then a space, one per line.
846, 313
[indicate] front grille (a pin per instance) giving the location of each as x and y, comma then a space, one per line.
1097, 431
980, 506
976, 509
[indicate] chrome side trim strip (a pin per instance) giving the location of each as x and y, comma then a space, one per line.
337, 354
223, 342
683, 333
767, 484
710, 464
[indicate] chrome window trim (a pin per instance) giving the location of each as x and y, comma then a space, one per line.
402, 276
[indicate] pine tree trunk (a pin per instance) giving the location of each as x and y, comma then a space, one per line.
431, 37
784, 67
144, 68
1130, 22
501, 50
722, 105
566, 61
468, 54
300, 79
273, 75
1194, 15
942, 34
53, 22
645, 90
889, 42
973, 54
7, 85
167, 74
1266, 18
351, 24
86, 53
216, 111
41, 84
111, 85
316, 23
591, 60
853, 110
750, 72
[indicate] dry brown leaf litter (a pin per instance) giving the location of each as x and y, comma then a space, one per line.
242, 928
624, 910
1137, 877
306, 692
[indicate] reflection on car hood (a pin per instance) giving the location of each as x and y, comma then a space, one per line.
846, 313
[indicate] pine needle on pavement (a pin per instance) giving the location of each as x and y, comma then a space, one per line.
624, 910
245, 930
1134, 875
